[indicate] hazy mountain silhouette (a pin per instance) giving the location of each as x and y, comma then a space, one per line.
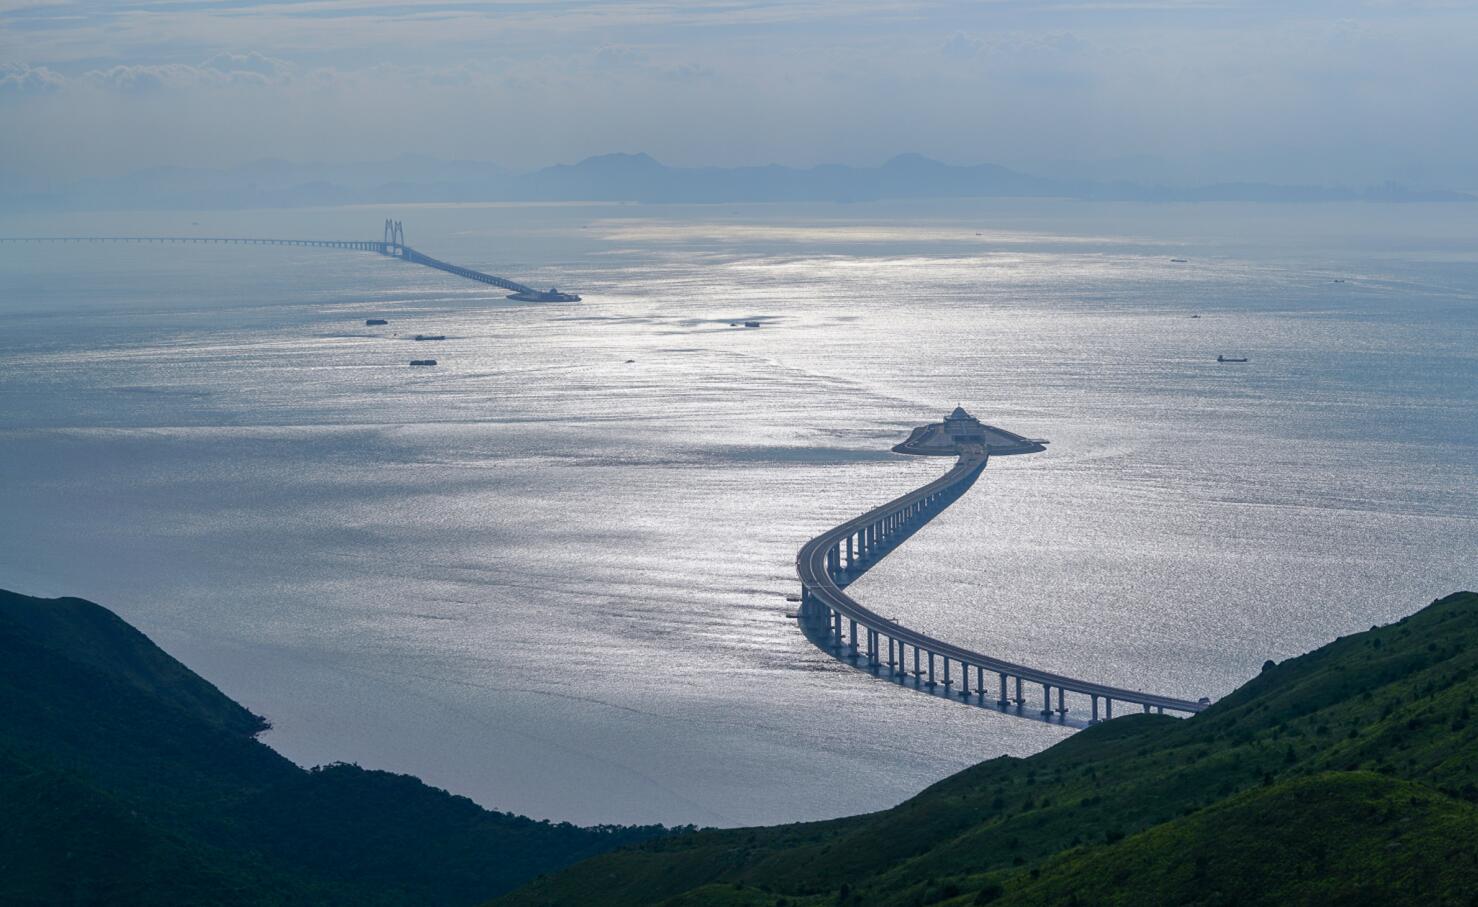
641, 178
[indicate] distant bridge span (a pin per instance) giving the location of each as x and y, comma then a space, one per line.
832, 619
392, 244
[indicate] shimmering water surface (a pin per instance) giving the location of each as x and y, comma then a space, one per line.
550, 573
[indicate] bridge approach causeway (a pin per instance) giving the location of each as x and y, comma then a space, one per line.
854, 633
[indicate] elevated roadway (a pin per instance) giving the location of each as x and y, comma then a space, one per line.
830, 561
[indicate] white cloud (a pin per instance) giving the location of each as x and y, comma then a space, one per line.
22, 79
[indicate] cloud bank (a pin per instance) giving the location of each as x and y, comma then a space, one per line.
1310, 92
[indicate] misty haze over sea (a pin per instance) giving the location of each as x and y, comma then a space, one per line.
640, 178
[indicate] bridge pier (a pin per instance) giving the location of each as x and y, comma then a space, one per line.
1046, 700
1020, 699
947, 681
931, 684
1061, 702
964, 680
1094, 718
1003, 701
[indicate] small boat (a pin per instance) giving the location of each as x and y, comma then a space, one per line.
1231, 358
1195, 316
423, 362
430, 336
1339, 280
374, 321
1179, 261
751, 324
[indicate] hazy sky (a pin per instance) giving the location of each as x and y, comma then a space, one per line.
1316, 91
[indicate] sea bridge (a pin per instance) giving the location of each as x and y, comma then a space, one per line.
391, 243
839, 624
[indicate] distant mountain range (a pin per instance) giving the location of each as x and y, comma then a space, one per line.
638, 178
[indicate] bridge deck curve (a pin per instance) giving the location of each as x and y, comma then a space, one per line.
821, 584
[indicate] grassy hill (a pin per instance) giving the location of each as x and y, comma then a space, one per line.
1343, 777
127, 779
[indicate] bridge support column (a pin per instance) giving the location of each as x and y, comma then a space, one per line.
1046, 700
853, 645
1020, 699
930, 684
1094, 718
1061, 702
891, 660
1108, 707
947, 681
1146, 708
916, 671
964, 681
1003, 701
836, 619
980, 683
1160, 709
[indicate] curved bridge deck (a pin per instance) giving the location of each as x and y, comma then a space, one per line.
836, 621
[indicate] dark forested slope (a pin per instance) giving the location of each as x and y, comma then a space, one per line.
1345, 776
126, 778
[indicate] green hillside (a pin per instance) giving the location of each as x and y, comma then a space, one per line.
127, 779
1342, 777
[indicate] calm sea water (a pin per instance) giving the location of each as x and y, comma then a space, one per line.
550, 573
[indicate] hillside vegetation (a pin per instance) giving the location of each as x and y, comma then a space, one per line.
127, 779
1342, 777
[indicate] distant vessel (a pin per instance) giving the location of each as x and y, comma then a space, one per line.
430, 336
1339, 280
1231, 358
374, 321
1179, 261
751, 324
423, 362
